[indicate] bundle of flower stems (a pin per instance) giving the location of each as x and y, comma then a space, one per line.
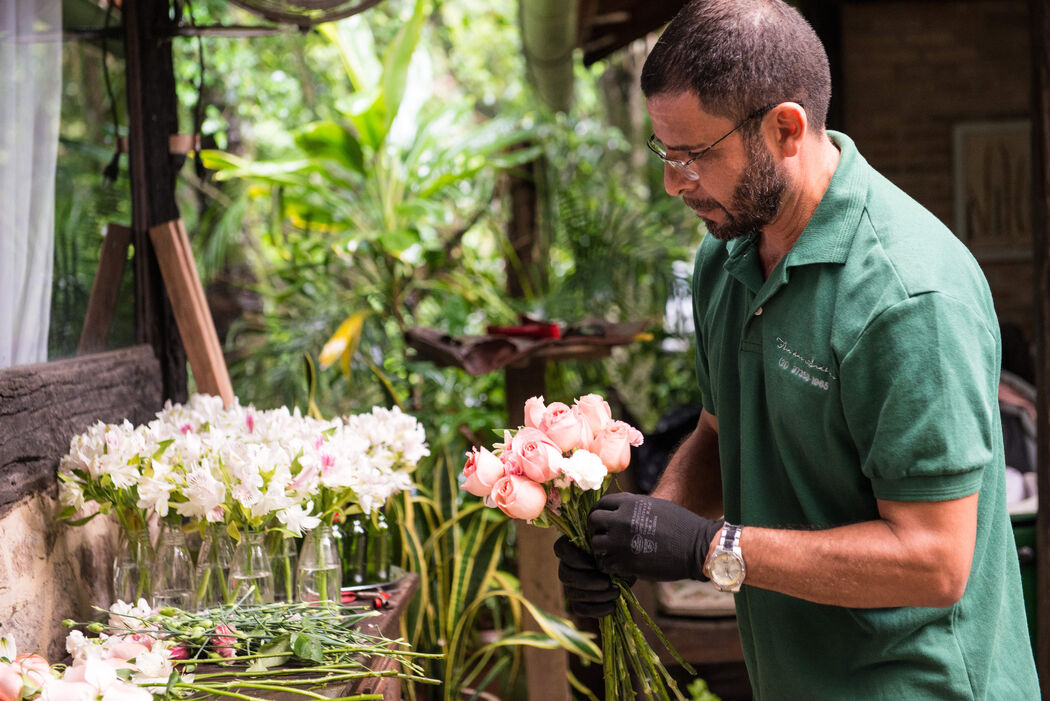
233, 650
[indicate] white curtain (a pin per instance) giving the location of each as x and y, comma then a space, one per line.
30, 83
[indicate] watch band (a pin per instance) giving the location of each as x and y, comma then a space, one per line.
728, 569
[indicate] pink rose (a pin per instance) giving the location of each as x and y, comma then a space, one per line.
613, 445
519, 497
482, 470
568, 429
539, 456
595, 410
59, 690
10, 682
534, 409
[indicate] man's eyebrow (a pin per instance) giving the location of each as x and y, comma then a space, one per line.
683, 148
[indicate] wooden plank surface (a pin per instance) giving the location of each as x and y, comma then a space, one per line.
105, 288
192, 315
43, 406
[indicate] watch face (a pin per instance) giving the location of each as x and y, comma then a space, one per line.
726, 569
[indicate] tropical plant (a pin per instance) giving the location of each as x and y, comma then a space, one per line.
373, 205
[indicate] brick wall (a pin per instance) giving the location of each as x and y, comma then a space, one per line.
911, 72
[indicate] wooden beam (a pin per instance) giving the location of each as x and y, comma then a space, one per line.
1040, 24
152, 119
195, 323
104, 289
43, 406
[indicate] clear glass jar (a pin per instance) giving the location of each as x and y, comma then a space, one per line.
354, 544
251, 576
320, 574
173, 576
214, 560
131, 566
284, 559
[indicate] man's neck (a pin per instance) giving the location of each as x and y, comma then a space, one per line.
813, 176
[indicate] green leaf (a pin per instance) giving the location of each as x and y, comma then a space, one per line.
277, 652
397, 59
399, 240
82, 521
331, 141
308, 648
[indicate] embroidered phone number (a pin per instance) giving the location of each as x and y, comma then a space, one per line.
803, 375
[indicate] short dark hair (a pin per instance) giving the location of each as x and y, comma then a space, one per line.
740, 55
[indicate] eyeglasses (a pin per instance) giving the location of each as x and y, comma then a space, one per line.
682, 167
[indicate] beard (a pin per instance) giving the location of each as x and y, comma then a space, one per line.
756, 199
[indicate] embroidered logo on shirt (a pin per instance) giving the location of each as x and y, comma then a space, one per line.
805, 369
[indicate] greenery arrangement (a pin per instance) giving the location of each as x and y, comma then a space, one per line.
231, 651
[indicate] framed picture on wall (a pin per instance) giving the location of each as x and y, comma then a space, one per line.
993, 187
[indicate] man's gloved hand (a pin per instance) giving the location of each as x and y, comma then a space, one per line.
590, 592
636, 535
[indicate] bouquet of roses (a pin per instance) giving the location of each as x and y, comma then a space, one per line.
551, 472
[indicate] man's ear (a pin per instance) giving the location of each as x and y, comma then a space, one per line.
790, 126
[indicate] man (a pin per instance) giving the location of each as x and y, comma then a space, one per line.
848, 359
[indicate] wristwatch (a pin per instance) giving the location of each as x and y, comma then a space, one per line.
726, 567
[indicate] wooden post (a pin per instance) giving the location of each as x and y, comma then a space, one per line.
1039, 21
152, 119
196, 326
546, 671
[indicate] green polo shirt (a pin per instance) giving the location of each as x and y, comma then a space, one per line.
865, 367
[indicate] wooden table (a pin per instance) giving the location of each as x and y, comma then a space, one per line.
386, 624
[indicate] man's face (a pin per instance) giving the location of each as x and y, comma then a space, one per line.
739, 188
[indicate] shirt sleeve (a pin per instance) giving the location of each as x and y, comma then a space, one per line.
919, 395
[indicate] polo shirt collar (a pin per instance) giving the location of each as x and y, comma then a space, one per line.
829, 234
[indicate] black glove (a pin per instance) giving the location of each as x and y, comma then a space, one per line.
589, 591
649, 538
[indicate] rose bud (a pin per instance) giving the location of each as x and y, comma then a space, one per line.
595, 410
481, 472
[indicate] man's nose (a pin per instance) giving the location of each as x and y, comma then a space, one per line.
677, 184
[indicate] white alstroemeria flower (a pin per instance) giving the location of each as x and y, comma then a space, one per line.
203, 491
273, 499
154, 491
154, 668
129, 616
297, 518
71, 494
126, 691
8, 649
585, 469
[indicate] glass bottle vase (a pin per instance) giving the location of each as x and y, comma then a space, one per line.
173, 576
214, 560
251, 577
284, 559
354, 543
131, 566
378, 569
320, 575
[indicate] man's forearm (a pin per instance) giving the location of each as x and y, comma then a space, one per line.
918, 554
693, 476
